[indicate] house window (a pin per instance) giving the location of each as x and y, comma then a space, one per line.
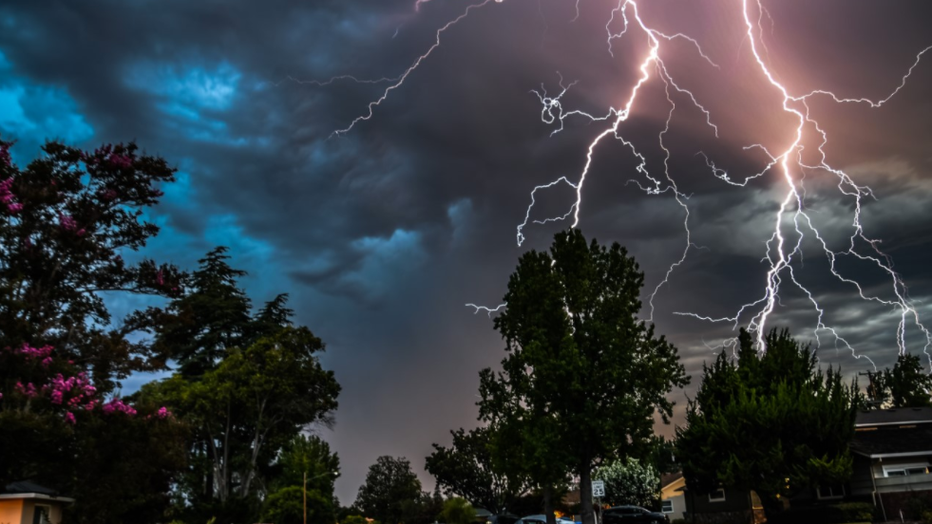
905, 470
667, 506
831, 492
41, 514
717, 496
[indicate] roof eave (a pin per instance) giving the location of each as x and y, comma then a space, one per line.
38, 496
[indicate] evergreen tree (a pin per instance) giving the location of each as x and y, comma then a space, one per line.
772, 423
200, 326
907, 385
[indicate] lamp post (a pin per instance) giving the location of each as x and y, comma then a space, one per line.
334, 473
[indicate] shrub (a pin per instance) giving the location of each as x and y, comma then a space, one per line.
458, 511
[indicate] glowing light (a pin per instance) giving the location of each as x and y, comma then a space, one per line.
780, 251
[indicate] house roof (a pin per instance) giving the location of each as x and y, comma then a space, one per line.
25, 489
893, 442
25, 486
670, 478
889, 417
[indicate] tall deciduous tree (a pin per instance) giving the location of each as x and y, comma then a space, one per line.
773, 423
465, 470
390, 488
583, 376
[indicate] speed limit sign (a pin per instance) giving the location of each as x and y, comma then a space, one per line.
598, 488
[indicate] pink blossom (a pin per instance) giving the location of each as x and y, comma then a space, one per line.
163, 412
46, 362
29, 390
69, 417
67, 223
32, 353
6, 196
117, 405
121, 161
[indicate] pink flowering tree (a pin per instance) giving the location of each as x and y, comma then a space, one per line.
67, 219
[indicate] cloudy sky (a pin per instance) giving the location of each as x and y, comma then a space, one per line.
383, 233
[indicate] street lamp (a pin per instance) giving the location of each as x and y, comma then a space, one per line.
329, 473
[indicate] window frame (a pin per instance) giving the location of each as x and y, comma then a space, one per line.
663, 506
905, 469
831, 488
716, 499
36, 515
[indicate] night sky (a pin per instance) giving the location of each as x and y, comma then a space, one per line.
382, 234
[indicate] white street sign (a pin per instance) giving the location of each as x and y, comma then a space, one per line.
598, 488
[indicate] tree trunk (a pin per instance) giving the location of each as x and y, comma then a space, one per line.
548, 504
585, 494
209, 479
772, 505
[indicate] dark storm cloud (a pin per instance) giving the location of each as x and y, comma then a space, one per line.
381, 234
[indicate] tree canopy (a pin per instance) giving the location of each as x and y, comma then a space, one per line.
907, 385
583, 376
465, 470
769, 422
389, 491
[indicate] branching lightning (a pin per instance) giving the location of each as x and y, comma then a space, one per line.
781, 250
417, 62
488, 310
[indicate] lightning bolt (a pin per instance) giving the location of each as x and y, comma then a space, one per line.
781, 250
791, 159
488, 310
417, 62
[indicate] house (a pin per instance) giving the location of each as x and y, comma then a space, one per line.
672, 495
28, 503
723, 506
892, 451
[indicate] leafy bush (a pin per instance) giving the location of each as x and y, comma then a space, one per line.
458, 511
678, 521
856, 511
